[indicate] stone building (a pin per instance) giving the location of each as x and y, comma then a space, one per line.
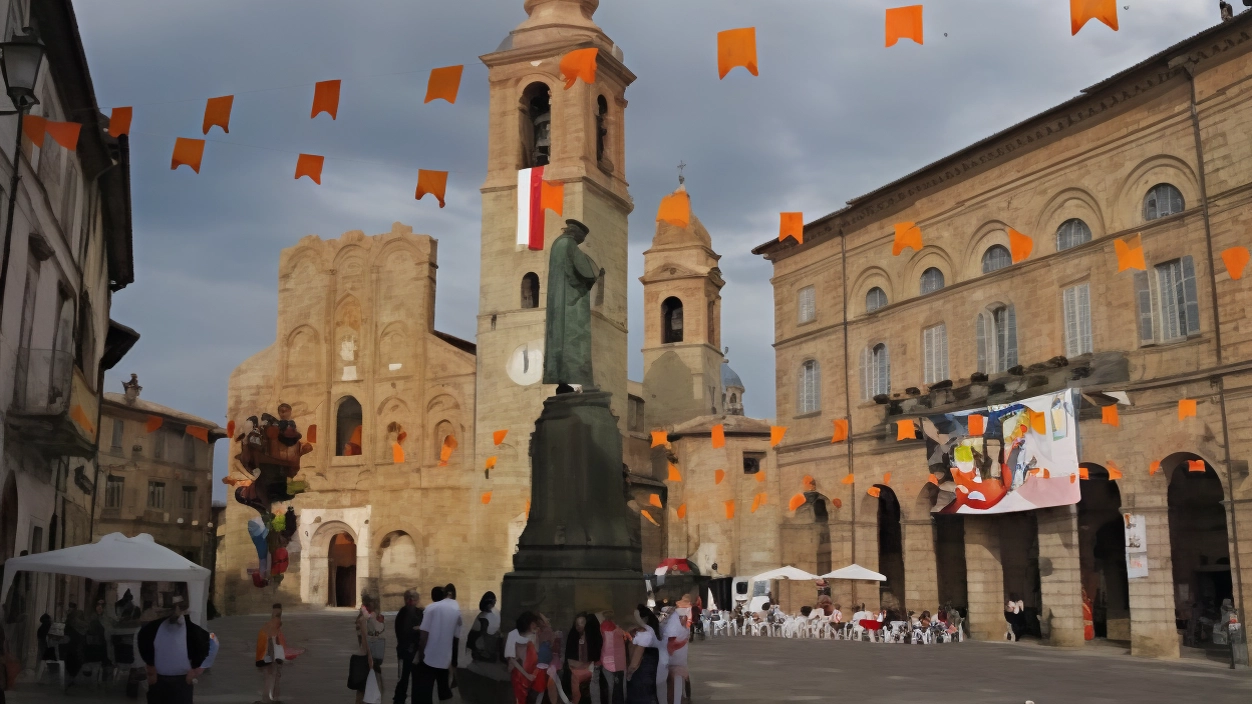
1158, 150
156, 475
69, 253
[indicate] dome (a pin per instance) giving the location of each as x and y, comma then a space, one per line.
729, 377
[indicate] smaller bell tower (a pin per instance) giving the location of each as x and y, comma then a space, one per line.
682, 329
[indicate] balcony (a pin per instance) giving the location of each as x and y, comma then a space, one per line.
53, 408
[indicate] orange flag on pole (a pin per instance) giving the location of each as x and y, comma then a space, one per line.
841, 430
1236, 259
154, 424
187, 152
491, 462
552, 196
675, 208
1186, 408
730, 508
796, 502
1020, 246
326, 99
719, 436
119, 121
217, 112
1108, 416
908, 235
444, 83
579, 63
1082, 11
905, 430
718, 476
1129, 253
498, 436
791, 225
776, 433
433, 182
848, 479
736, 47
64, 133
904, 23
659, 437
310, 165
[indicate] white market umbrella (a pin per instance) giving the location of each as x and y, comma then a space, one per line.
855, 572
787, 572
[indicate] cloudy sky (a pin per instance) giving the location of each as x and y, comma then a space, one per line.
832, 115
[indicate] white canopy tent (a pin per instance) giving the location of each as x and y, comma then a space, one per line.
116, 558
787, 572
855, 572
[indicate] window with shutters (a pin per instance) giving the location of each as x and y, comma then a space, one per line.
1076, 300
935, 352
1161, 201
156, 494
1072, 233
158, 445
189, 497
996, 335
119, 427
1177, 303
875, 371
807, 305
932, 280
996, 258
113, 491
875, 299
809, 393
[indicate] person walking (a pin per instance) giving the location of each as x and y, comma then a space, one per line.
677, 633
645, 659
483, 639
174, 652
521, 655
441, 622
271, 652
581, 652
375, 630
358, 677
407, 621
449, 594
612, 660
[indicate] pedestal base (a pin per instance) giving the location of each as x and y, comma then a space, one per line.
562, 594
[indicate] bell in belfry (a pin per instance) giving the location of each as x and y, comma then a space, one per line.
543, 138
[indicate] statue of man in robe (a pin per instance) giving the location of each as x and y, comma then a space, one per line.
567, 336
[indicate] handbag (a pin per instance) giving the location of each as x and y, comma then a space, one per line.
372, 695
358, 672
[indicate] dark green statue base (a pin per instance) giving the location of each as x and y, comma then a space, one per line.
580, 550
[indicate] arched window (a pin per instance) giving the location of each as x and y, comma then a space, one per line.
875, 371
935, 353
602, 131
348, 428
995, 258
932, 280
1162, 200
809, 393
996, 334
672, 320
734, 398
536, 127
1072, 233
530, 290
875, 299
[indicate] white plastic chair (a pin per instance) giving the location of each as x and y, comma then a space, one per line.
896, 632
43, 666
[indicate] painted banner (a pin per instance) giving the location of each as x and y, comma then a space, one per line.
1136, 546
1026, 456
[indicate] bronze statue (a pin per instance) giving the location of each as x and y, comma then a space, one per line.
567, 335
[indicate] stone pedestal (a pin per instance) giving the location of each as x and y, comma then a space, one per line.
577, 552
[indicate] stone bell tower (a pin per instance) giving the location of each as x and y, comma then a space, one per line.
577, 135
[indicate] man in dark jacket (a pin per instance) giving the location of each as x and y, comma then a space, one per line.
408, 619
175, 651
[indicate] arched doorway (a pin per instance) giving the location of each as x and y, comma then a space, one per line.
397, 569
890, 551
1198, 543
341, 571
1102, 554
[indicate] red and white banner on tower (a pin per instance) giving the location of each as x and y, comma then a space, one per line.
530, 215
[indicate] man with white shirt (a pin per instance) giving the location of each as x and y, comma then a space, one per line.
441, 624
175, 652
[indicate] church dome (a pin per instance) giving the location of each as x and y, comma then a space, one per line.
729, 377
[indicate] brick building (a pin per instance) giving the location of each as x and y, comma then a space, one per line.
1158, 150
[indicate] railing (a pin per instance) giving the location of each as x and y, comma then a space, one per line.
42, 382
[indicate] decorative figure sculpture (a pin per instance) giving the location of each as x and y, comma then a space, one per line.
567, 336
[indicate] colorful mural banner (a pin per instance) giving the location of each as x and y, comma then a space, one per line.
1026, 457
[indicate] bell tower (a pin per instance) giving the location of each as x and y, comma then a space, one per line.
682, 329
576, 135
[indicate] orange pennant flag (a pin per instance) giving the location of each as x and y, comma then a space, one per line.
1038, 421
977, 425
1236, 259
552, 196
119, 121
791, 225
1084, 473
1186, 408
445, 452
498, 436
848, 479
64, 133
730, 508
310, 165
647, 515
659, 437
491, 462
874, 492
1081, 11
654, 500
1108, 416
187, 152
908, 235
932, 479
760, 476
681, 511
230, 429
718, 476
35, 127
674, 476
675, 209
326, 99
154, 424
486, 499
905, 430
1114, 472
757, 502
217, 112
444, 83
397, 453
1195, 466
904, 23
886, 479
311, 436
433, 182
1154, 468
809, 483
719, 436
1130, 253
796, 502
736, 47
776, 433
579, 63
841, 430
201, 434
1020, 246
78, 415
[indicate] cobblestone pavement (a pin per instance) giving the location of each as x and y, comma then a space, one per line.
751, 670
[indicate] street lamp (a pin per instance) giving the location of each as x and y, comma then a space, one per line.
20, 59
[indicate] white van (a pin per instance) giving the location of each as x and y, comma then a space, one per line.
751, 595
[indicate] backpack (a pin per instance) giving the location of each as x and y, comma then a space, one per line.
484, 646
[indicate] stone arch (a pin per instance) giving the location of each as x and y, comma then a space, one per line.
399, 566
987, 235
534, 104
398, 255
930, 256
305, 264
672, 324
349, 427
394, 349
394, 417
1164, 168
320, 560
440, 431
302, 356
1069, 203
874, 276
350, 260
1199, 535
442, 402
1102, 553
